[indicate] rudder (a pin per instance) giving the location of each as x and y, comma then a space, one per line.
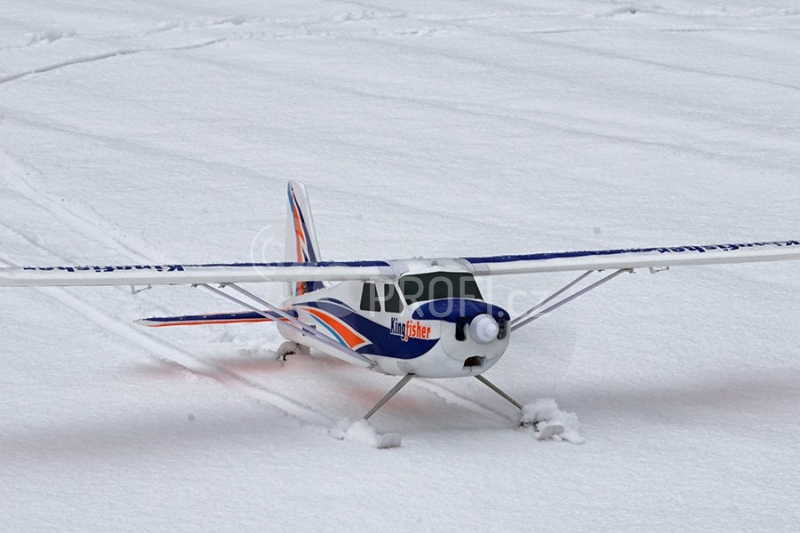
301, 237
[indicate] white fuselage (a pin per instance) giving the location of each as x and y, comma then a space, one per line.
429, 338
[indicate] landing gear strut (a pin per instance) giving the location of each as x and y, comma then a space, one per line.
403, 382
497, 389
543, 429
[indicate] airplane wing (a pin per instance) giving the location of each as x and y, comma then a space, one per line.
179, 274
635, 258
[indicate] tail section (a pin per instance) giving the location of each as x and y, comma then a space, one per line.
301, 238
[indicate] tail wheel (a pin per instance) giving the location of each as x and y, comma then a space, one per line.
292, 348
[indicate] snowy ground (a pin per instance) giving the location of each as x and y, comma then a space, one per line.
166, 130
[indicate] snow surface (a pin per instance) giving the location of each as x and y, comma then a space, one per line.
536, 416
360, 431
164, 130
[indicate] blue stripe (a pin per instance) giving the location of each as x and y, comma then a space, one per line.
455, 309
333, 332
311, 286
473, 260
382, 341
217, 317
662, 250
287, 264
293, 202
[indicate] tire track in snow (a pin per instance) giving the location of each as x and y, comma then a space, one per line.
90, 225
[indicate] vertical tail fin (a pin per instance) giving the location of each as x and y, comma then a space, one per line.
301, 237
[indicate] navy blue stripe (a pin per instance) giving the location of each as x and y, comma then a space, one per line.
311, 286
599, 253
181, 268
383, 342
455, 309
489, 259
219, 316
311, 252
310, 265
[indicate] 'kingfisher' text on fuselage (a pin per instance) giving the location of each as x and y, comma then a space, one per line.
410, 330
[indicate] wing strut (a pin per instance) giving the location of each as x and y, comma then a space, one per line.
551, 297
342, 352
524, 319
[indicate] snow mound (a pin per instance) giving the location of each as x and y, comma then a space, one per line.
362, 432
546, 421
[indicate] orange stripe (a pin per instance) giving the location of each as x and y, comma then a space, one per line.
298, 244
300, 238
344, 331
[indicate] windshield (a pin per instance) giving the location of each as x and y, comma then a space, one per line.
439, 285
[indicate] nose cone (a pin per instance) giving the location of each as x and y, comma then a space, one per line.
484, 329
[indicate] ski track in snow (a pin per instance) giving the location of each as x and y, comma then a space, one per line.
492, 125
169, 353
52, 36
370, 13
454, 398
661, 64
300, 28
163, 350
20, 180
107, 55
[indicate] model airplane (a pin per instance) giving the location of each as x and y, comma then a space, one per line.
413, 317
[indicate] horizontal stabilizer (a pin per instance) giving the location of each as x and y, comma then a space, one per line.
204, 320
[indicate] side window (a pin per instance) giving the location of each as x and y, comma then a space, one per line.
391, 298
369, 298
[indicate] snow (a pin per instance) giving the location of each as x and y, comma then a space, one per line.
166, 131
542, 413
361, 432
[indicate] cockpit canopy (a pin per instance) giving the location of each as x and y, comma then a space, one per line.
439, 285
